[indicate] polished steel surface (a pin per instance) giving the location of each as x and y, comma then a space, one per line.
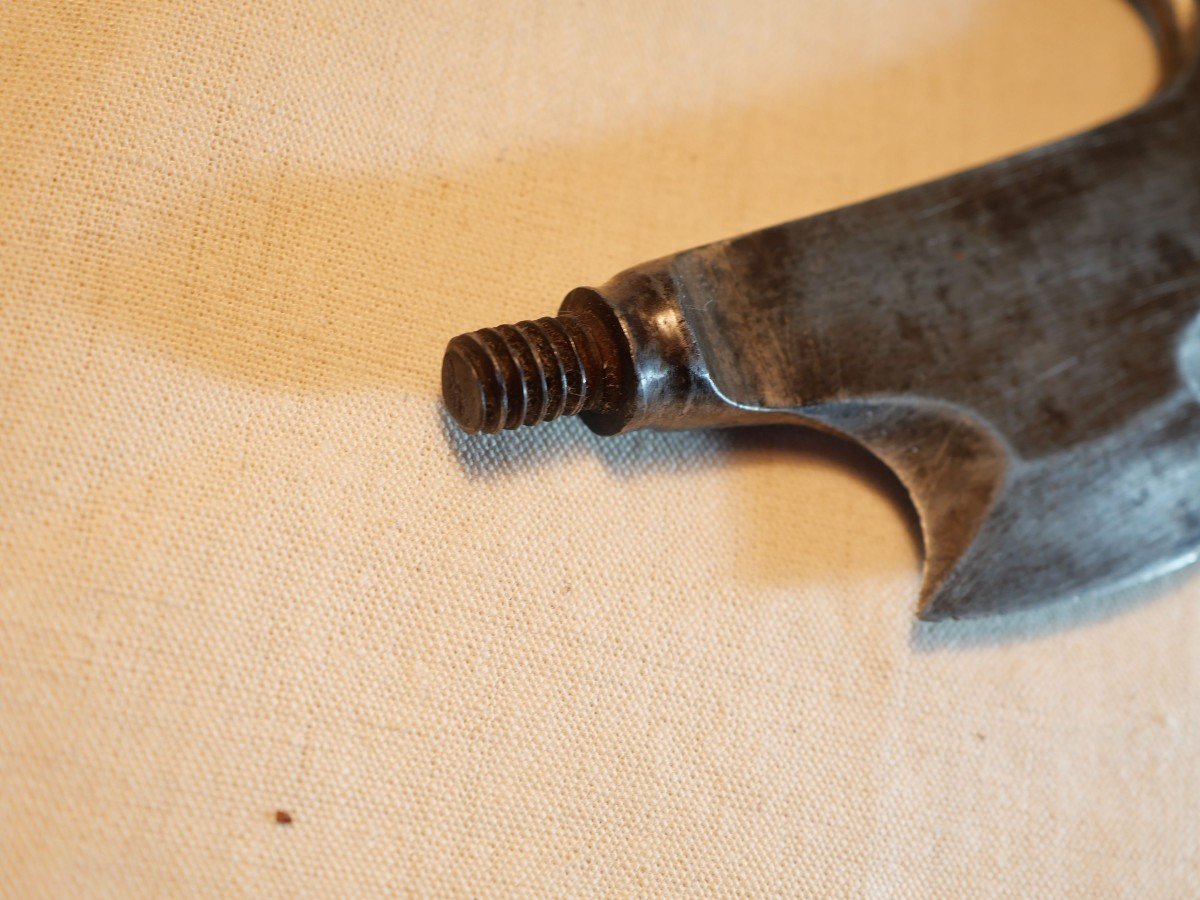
1020, 343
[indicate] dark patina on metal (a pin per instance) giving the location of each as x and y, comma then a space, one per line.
1020, 343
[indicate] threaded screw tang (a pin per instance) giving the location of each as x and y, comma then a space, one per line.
527, 373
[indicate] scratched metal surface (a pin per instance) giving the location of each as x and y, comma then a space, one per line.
1020, 343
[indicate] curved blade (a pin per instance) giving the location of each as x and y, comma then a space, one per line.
1019, 343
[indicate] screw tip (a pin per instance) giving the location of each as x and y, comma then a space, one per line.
463, 388
523, 374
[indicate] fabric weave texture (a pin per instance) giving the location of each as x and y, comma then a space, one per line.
268, 623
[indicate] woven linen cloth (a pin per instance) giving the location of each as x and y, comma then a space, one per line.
270, 624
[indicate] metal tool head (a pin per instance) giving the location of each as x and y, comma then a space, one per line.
1020, 343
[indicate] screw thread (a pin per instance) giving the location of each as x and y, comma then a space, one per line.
524, 374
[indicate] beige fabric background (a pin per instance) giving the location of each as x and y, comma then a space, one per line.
245, 566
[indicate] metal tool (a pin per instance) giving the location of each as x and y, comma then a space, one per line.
1020, 343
